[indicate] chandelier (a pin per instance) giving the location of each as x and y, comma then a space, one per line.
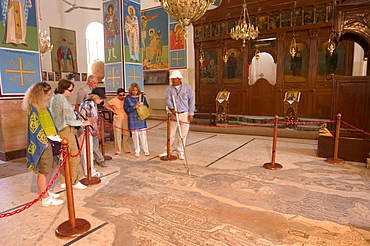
293, 48
44, 42
243, 30
331, 43
185, 11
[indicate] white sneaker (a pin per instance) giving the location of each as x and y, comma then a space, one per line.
163, 154
137, 154
96, 174
181, 156
147, 153
53, 195
63, 185
79, 186
50, 201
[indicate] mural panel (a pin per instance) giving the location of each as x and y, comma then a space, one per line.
112, 30
113, 77
19, 70
18, 24
132, 27
134, 74
155, 39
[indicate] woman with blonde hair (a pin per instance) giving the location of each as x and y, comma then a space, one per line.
41, 129
138, 127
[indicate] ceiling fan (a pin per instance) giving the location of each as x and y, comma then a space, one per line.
75, 6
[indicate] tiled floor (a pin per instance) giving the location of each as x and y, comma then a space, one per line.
229, 198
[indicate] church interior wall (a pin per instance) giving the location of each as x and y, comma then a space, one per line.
51, 14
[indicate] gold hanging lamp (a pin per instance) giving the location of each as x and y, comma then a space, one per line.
185, 11
243, 30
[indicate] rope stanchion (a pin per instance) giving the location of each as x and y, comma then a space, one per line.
72, 227
335, 159
102, 134
272, 165
89, 181
168, 157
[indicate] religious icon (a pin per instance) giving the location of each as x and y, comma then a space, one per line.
58, 76
223, 95
65, 57
76, 76
15, 16
292, 96
51, 76
44, 75
177, 40
112, 30
144, 20
83, 76
132, 34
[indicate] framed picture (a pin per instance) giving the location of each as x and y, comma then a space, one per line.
44, 75
223, 96
58, 76
84, 76
63, 56
51, 76
76, 76
292, 96
156, 77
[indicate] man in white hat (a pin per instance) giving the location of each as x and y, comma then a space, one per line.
183, 95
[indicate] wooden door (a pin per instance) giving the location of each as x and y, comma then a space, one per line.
261, 99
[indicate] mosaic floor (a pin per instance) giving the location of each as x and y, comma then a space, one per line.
229, 199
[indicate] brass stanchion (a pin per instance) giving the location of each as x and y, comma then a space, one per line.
272, 165
89, 181
72, 227
335, 159
102, 133
168, 157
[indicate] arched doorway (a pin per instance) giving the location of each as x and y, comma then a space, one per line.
262, 81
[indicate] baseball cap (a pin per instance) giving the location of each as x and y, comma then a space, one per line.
98, 92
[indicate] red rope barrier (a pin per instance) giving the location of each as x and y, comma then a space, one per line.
358, 129
80, 150
150, 128
17, 211
306, 123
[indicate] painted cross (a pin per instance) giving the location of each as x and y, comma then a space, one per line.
134, 75
112, 79
21, 71
177, 58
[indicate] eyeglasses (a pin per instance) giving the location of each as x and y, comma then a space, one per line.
121, 95
70, 90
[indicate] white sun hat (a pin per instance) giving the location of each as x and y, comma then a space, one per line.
175, 74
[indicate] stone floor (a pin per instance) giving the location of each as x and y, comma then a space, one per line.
229, 198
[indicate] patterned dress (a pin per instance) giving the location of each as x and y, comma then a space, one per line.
133, 122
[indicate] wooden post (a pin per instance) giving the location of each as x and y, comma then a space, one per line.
72, 227
89, 180
168, 157
272, 165
102, 134
335, 159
